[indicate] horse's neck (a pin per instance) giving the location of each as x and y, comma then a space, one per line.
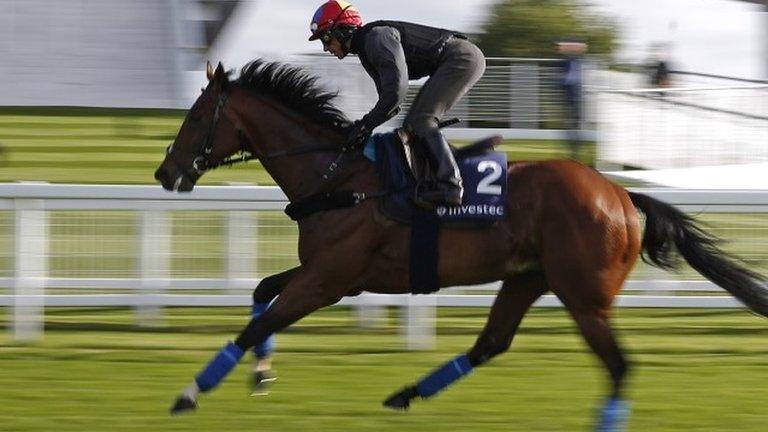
275, 129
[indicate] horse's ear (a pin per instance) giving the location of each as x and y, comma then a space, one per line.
209, 70
220, 77
219, 71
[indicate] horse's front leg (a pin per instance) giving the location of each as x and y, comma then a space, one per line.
269, 288
304, 294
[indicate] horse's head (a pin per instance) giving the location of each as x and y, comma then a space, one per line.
206, 138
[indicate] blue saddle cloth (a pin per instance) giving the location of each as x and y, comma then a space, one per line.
484, 175
485, 187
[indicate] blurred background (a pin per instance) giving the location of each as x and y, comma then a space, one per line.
114, 292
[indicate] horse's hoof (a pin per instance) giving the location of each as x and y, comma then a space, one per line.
183, 405
261, 382
401, 400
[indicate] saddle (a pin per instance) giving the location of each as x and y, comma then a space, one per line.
402, 164
418, 159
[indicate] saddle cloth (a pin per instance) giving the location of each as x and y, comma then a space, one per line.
483, 171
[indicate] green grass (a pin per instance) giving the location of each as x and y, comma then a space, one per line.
694, 371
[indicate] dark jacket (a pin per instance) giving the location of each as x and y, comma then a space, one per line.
392, 52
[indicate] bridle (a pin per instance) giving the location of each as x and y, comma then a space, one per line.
325, 197
202, 163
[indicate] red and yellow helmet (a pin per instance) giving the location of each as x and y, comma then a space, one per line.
332, 14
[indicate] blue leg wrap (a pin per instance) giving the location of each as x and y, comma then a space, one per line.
614, 416
265, 348
219, 367
444, 376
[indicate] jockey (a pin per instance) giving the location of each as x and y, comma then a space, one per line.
392, 52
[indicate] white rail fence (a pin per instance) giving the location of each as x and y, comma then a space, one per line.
683, 127
29, 283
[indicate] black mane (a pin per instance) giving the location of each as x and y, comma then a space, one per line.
296, 89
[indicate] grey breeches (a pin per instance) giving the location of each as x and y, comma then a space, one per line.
461, 67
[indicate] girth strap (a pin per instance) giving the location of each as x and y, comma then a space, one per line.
326, 201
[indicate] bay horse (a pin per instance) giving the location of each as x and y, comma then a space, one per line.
567, 230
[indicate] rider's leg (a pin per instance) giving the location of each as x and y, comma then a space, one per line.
448, 189
462, 66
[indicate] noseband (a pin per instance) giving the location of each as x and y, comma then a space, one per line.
202, 162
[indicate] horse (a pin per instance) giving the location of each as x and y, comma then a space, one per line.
567, 230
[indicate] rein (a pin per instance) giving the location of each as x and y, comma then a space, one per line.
202, 163
319, 201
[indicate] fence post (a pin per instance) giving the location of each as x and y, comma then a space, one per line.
419, 322
155, 263
241, 251
31, 268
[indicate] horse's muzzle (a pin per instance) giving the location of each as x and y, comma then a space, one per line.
173, 179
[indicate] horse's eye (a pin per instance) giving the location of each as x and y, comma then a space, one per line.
194, 118
169, 148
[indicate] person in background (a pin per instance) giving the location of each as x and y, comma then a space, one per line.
571, 79
658, 67
392, 52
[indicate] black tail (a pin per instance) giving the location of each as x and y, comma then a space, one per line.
667, 228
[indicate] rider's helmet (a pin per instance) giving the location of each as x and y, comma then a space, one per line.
335, 18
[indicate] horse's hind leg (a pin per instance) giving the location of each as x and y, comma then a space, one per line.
269, 288
587, 283
516, 296
594, 324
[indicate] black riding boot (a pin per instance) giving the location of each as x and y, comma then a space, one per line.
447, 190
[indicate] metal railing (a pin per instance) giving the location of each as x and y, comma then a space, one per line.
518, 98
683, 127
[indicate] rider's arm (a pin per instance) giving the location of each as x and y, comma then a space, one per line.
386, 53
